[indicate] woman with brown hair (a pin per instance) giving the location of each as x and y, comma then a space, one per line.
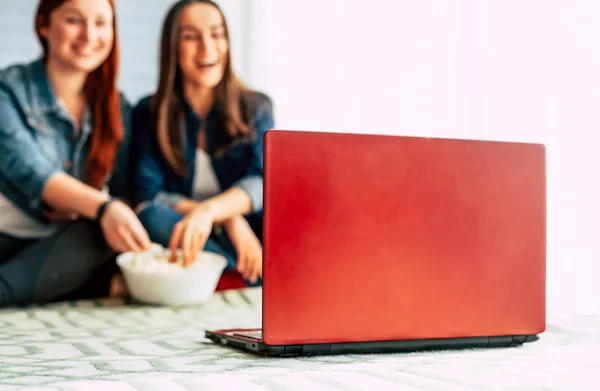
199, 177
64, 142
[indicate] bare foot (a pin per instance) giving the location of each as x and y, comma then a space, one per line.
117, 286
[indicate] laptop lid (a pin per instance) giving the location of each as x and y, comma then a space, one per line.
377, 238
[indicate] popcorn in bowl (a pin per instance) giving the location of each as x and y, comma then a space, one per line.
156, 260
151, 278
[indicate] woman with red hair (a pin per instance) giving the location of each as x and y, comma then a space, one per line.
64, 160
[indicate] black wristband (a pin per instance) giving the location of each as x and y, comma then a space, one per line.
102, 209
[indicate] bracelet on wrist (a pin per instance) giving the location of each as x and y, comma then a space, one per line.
102, 209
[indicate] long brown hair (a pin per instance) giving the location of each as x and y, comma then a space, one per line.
103, 98
231, 97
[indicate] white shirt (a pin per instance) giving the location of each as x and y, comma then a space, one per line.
206, 184
14, 222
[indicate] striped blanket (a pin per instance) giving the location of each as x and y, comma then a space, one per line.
114, 345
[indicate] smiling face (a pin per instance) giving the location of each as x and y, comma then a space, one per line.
79, 34
203, 45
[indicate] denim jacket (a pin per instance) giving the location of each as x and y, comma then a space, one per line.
38, 139
240, 166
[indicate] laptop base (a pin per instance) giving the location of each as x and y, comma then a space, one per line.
234, 339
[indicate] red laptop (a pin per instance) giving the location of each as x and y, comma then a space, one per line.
385, 243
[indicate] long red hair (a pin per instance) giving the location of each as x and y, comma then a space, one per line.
103, 98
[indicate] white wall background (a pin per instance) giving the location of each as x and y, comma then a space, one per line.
140, 24
522, 70
540, 80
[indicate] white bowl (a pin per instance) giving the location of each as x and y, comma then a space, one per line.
153, 280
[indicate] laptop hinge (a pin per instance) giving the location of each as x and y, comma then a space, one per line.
501, 341
293, 349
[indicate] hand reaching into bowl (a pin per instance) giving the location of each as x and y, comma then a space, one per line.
122, 229
191, 234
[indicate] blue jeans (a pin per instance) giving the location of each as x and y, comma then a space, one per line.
159, 221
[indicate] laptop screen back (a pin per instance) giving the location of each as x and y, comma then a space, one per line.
375, 238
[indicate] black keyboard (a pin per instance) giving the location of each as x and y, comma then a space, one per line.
255, 334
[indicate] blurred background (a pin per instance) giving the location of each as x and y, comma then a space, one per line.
518, 70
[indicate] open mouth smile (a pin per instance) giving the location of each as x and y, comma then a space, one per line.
205, 65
